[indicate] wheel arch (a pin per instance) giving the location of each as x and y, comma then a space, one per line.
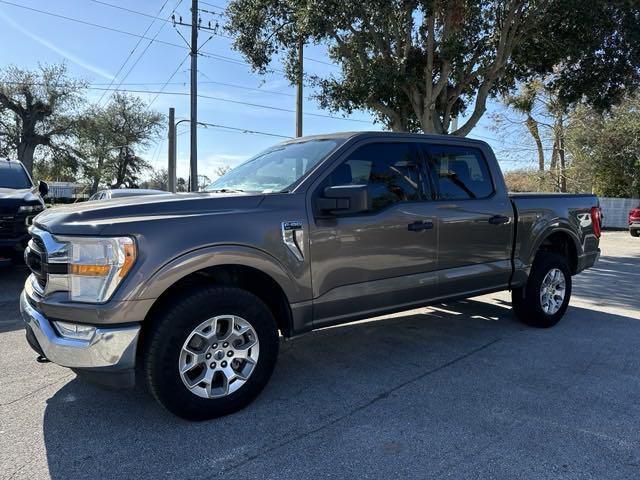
242, 267
561, 241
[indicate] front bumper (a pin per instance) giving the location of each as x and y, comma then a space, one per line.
110, 350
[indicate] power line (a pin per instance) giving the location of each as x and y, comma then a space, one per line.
161, 91
132, 51
211, 55
243, 87
212, 5
244, 130
154, 17
237, 102
91, 24
148, 45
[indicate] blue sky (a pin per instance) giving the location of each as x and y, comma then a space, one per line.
97, 54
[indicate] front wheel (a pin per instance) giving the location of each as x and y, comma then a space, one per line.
210, 353
543, 301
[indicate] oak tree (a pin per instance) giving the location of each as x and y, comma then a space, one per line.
417, 64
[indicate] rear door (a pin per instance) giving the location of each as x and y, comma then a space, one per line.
475, 221
381, 258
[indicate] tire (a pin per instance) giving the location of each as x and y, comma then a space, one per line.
526, 301
165, 347
634, 232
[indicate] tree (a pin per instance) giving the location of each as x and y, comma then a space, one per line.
181, 185
159, 180
524, 103
416, 64
38, 108
221, 170
541, 112
606, 146
108, 137
203, 182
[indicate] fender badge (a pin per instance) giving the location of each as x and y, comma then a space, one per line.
293, 238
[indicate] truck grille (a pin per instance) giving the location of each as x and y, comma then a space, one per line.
49, 271
8, 209
35, 258
7, 226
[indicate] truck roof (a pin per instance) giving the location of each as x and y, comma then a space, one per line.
380, 134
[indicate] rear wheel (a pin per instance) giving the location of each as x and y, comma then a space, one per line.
634, 232
543, 301
210, 353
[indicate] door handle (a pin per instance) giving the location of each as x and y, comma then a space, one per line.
499, 219
420, 225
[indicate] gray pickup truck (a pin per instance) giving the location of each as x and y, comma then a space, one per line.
190, 292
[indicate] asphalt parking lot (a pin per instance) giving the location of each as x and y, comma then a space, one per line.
460, 390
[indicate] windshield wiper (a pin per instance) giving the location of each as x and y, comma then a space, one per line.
226, 190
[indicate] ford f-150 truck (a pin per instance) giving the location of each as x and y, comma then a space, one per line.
195, 289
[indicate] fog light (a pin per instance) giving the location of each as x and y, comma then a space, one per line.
75, 331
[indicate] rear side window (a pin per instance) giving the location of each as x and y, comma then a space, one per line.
459, 173
389, 169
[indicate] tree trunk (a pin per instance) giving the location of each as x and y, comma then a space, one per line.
26, 152
95, 184
563, 176
532, 125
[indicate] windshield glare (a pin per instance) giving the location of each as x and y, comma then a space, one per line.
12, 175
275, 169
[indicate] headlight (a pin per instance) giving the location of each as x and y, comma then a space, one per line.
96, 266
30, 208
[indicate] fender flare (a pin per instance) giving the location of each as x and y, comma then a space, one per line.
551, 229
178, 268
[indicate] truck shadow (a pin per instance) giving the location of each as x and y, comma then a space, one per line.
320, 380
613, 281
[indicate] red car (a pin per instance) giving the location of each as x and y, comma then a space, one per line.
634, 222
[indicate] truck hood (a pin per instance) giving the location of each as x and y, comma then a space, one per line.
23, 194
122, 214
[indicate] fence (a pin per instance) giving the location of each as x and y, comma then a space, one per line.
615, 211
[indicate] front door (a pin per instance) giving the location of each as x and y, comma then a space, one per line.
475, 221
385, 257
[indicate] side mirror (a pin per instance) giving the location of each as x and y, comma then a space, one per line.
344, 200
43, 188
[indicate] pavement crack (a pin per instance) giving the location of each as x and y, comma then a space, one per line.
26, 395
381, 396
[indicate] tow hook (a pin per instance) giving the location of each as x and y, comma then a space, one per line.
42, 359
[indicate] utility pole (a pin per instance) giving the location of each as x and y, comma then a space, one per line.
172, 150
194, 97
299, 88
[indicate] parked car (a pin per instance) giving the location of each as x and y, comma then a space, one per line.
634, 222
124, 192
20, 201
318, 231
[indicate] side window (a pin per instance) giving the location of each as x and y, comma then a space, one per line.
388, 169
459, 173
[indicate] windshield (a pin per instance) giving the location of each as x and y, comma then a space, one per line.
12, 175
275, 169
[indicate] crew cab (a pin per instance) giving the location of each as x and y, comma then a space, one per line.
20, 201
195, 289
